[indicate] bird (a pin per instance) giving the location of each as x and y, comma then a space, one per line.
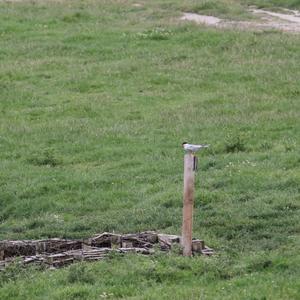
193, 148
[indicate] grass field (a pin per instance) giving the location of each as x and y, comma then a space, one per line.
96, 98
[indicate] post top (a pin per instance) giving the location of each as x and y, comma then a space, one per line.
193, 148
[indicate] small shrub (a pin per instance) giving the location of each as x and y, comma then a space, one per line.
234, 144
155, 34
47, 158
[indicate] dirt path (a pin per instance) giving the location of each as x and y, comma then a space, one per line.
268, 20
289, 22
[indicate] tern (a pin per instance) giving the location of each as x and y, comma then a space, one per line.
193, 148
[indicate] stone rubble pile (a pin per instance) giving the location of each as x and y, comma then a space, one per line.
60, 252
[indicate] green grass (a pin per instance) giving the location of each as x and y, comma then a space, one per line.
291, 4
96, 98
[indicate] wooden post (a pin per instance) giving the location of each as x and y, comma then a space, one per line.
188, 203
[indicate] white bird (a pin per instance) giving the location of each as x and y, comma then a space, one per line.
193, 148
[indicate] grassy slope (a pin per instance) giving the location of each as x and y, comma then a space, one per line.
96, 98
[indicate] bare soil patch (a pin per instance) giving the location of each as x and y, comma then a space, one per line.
288, 22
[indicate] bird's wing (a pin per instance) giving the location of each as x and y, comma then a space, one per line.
200, 146
191, 147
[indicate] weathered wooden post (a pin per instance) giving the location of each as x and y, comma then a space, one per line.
188, 203
190, 166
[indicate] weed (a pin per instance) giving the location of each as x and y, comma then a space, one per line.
46, 158
235, 144
155, 34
